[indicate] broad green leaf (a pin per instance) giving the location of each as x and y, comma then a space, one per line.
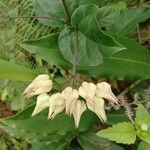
84, 18
38, 128
142, 115
121, 133
142, 122
126, 22
50, 145
143, 146
131, 63
55, 10
9, 70
90, 141
108, 14
116, 147
88, 53
116, 116
47, 49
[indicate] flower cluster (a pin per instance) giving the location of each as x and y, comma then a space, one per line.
73, 101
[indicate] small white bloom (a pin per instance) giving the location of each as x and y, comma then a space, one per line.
88, 91
98, 108
104, 91
39, 85
70, 96
41, 104
56, 105
79, 108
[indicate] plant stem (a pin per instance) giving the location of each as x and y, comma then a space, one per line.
35, 17
139, 35
129, 88
66, 10
75, 50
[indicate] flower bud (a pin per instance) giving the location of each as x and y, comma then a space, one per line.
104, 91
87, 91
80, 107
39, 85
98, 108
56, 105
70, 96
41, 104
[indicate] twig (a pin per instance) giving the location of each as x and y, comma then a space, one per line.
75, 49
129, 88
138, 31
32, 17
66, 10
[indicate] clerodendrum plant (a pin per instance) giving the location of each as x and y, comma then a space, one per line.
91, 40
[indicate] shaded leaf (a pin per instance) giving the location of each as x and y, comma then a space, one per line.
143, 146
126, 22
9, 70
84, 18
47, 49
88, 53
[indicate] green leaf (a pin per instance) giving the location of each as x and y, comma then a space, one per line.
142, 115
84, 18
120, 133
90, 141
50, 145
47, 48
142, 122
55, 10
108, 14
13, 71
131, 63
116, 116
143, 146
126, 22
88, 53
38, 128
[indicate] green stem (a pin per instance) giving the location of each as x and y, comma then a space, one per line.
66, 10
75, 50
139, 34
129, 88
32, 17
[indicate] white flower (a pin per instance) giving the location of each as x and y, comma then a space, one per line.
88, 91
70, 96
41, 104
79, 108
103, 90
95, 104
39, 85
56, 105
98, 108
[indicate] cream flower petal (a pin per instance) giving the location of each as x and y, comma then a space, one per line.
80, 107
98, 108
41, 104
70, 96
56, 105
104, 91
39, 85
87, 91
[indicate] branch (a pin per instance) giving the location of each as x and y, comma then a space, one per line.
129, 88
35, 17
75, 50
66, 10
